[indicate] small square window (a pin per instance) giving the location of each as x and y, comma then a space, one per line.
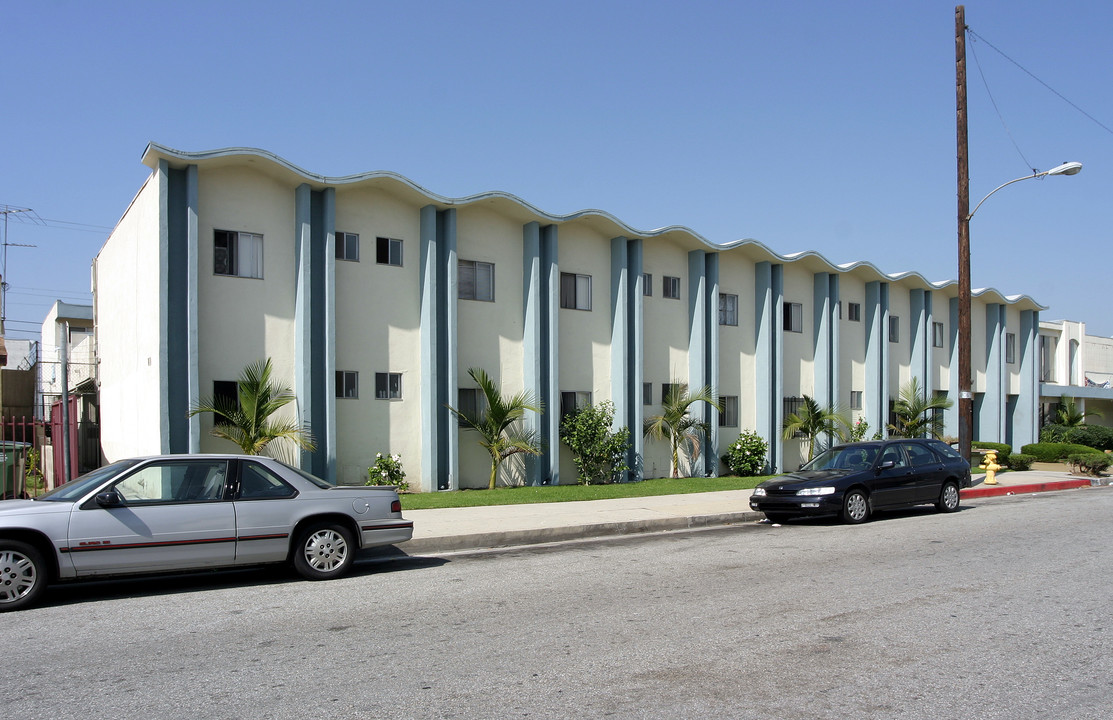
475, 280
347, 384
470, 402
347, 246
647, 393
937, 334
573, 401
728, 416
388, 251
647, 284
670, 288
575, 291
1010, 348
854, 312
388, 386
226, 394
855, 399
794, 317
894, 329
728, 309
237, 254
666, 388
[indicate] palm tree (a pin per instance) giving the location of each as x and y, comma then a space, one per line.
247, 420
1069, 415
811, 421
500, 432
917, 414
677, 424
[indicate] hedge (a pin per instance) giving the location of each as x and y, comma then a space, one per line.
1053, 452
1021, 462
1090, 463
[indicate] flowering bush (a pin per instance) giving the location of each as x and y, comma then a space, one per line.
746, 456
387, 470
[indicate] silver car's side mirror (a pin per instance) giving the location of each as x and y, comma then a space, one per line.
109, 498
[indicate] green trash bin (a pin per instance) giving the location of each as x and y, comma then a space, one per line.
12, 454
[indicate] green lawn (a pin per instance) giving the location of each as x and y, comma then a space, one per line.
570, 493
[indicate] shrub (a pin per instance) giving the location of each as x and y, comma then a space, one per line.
387, 470
1091, 463
1095, 436
1055, 434
746, 456
1053, 452
1021, 461
599, 454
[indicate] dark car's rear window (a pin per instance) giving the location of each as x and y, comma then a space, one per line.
944, 449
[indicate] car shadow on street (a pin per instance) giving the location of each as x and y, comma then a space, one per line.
376, 561
882, 516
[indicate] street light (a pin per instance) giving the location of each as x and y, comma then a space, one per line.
965, 379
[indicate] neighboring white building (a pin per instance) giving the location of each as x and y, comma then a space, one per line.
373, 296
75, 323
1076, 365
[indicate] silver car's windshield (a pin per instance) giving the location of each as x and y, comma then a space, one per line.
76, 488
848, 457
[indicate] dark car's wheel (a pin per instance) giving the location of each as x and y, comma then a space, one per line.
948, 498
23, 575
323, 551
775, 517
855, 507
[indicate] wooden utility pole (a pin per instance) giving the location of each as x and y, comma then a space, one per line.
965, 382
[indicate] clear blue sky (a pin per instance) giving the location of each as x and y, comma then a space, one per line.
822, 126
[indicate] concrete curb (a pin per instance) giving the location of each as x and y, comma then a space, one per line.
540, 536
996, 490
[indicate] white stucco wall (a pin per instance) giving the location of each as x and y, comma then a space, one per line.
126, 291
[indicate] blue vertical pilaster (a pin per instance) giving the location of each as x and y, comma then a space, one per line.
991, 423
550, 314
635, 357
1025, 421
875, 399
768, 353
533, 342
178, 380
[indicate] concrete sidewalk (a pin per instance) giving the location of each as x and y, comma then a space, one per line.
440, 531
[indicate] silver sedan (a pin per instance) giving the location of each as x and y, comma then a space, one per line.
190, 512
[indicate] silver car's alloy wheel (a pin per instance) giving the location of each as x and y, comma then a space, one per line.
325, 550
17, 576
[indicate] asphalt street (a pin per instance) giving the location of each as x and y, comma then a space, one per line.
998, 611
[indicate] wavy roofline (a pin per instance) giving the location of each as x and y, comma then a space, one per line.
155, 152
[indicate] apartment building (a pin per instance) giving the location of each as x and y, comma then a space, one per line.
373, 296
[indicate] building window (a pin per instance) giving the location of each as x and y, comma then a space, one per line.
728, 309
347, 246
937, 334
793, 406
855, 399
854, 312
728, 416
794, 317
647, 393
475, 280
388, 251
1010, 348
347, 384
226, 394
470, 402
894, 329
666, 389
388, 386
575, 291
238, 254
570, 402
670, 288
647, 284
1047, 358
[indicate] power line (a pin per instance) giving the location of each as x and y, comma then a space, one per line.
1032, 75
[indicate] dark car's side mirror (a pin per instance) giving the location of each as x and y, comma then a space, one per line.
886, 465
109, 498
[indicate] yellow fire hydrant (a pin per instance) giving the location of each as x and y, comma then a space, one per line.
989, 464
